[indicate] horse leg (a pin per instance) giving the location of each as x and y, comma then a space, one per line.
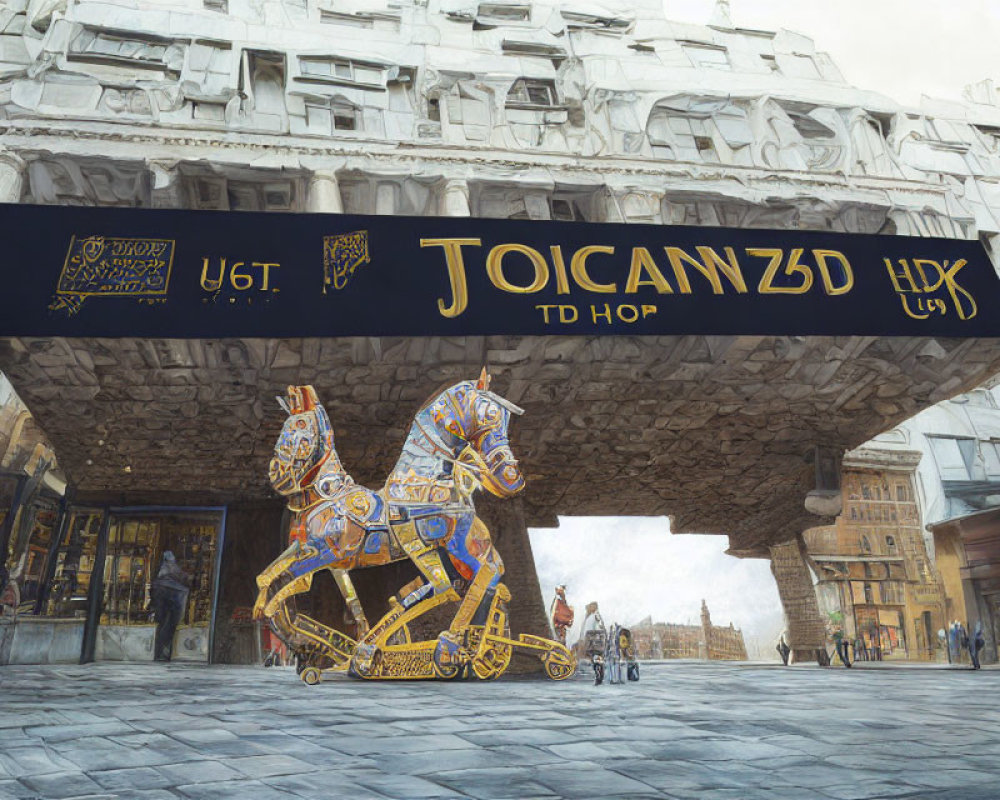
347, 591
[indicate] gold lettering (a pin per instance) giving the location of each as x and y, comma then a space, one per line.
824, 271
214, 284
456, 272
267, 268
606, 313
545, 312
642, 260
245, 279
954, 290
648, 311
709, 267
578, 266
905, 275
494, 268
766, 285
562, 282
631, 316
563, 310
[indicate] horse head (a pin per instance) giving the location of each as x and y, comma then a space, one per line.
304, 455
477, 421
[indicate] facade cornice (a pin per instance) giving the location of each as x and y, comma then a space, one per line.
27, 137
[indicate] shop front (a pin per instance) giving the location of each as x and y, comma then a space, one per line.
83, 579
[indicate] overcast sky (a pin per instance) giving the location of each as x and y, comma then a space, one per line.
634, 567
901, 48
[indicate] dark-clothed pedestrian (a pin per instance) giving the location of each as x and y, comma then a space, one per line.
841, 643
783, 649
169, 594
976, 643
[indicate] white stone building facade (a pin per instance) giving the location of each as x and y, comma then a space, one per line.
450, 107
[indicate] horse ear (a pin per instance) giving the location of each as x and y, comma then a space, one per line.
484, 381
302, 398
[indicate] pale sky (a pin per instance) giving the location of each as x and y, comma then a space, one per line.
634, 567
900, 48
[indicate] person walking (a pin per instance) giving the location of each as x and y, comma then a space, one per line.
976, 643
169, 594
840, 641
783, 649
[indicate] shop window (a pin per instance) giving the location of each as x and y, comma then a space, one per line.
532, 94
65, 595
135, 551
28, 552
707, 55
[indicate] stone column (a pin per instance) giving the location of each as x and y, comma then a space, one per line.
324, 193
385, 198
505, 519
454, 198
806, 628
166, 191
11, 176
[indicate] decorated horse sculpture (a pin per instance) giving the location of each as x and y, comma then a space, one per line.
456, 444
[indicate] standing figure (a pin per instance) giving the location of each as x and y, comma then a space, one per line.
170, 594
561, 614
783, 649
840, 640
976, 643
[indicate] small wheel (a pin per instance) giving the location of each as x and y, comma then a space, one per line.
311, 676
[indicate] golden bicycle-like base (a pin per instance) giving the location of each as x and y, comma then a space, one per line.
483, 651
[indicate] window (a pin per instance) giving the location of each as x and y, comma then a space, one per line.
504, 12
771, 63
94, 45
955, 457
340, 70
866, 545
527, 92
707, 55
328, 116
350, 20
890, 546
221, 6
217, 192
683, 138
991, 457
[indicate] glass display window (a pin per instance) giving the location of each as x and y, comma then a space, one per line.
67, 590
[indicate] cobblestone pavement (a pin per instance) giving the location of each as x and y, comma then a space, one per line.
686, 730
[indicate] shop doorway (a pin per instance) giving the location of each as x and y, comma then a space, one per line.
137, 539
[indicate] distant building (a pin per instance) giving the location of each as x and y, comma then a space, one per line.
872, 565
917, 544
706, 641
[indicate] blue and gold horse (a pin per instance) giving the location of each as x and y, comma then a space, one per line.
457, 444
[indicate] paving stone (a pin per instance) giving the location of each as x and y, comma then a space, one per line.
686, 730
198, 772
61, 784
494, 783
137, 778
408, 786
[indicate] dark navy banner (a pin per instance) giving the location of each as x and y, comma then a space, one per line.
130, 272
